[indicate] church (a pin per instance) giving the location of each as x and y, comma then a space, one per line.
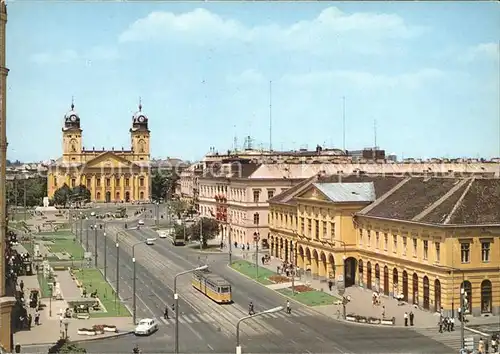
111, 176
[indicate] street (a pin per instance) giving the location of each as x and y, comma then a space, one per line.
206, 326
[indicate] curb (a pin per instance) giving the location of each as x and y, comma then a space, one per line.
476, 331
316, 310
119, 334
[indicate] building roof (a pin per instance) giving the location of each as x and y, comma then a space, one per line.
229, 170
348, 192
444, 201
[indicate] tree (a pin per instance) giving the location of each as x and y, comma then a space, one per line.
34, 189
159, 186
62, 195
65, 346
80, 194
210, 228
178, 207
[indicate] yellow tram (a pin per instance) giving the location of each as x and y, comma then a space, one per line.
213, 286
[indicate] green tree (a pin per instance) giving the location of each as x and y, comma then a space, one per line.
210, 228
62, 195
31, 190
65, 346
159, 186
178, 207
80, 194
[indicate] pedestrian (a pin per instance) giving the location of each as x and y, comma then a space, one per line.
383, 312
21, 286
330, 285
460, 314
440, 324
406, 319
480, 347
288, 307
17, 348
452, 323
37, 318
165, 314
412, 316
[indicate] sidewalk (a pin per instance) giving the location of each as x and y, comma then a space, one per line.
361, 299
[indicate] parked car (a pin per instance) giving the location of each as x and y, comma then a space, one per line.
145, 327
162, 234
150, 241
140, 222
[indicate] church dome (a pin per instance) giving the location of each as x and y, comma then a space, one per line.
139, 117
71, 115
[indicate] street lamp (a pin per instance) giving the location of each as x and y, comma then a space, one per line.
273, 310
86, 234
176, 298
133, 261
345, 301
105, 255
256, 238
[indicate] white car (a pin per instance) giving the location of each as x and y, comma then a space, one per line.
150, 241
162, 234
140, 222
145, 327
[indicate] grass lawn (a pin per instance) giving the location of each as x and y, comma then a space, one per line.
19, 215
44, 285
59, 233
64, 245
250, 270
92, 279
310, 298
209, 248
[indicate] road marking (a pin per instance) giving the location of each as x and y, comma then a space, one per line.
212, 349
320, 339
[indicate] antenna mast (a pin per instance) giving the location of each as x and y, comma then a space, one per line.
270, 116
343, 123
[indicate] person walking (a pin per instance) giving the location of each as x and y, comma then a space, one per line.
406, 319
412, 316
165, 313
288, 307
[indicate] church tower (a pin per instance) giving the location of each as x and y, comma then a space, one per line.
139, 134
72, 136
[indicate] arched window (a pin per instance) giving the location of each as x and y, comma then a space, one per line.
486, 296
256, 218
141, 195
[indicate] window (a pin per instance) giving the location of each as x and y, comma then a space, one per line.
405, 243
256, 218
332, 230
386, 241
361, 237
270, 194
256, 196
316, 222
108, 182
465, 252
369, 243
415, 243
127, 182
302, 226
88, 183
485, 251
395, 243
325, 231
437, 247
117, 182
377, 239
73, 182
98, 183
426, 249
309, 227
141, 182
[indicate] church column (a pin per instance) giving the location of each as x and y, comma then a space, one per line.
67, 179
93, 191
122, 187
103, 187
136, 188
113, 187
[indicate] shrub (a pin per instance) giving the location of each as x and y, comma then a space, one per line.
303, 288
278, 279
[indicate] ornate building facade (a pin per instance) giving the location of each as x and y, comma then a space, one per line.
419, 238
109, 175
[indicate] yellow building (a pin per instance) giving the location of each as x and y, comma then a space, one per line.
109, 175
420, 238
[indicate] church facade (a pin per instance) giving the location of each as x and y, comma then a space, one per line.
110, 175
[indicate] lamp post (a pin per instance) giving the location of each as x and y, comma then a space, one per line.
86, 234
117, 244
133, 280
345, 301
105, 255
176, 299
81, 228
273, 310
256, 238
201, 233
95, 242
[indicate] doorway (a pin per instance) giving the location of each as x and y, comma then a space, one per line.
386, 281
108, 197
437, 295
127, 197
350, 271
426, 293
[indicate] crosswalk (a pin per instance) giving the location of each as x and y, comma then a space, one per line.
450, 339
191, 318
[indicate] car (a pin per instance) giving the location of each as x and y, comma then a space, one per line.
162, 234
150, 241
141, 222
146, 326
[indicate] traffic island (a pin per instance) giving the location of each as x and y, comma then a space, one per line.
94, 283
261, 275
308, 296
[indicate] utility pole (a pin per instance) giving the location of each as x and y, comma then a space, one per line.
463, 300
343, 123
201, 233
230, 246
95, 241
86, 234
117, 295
24, 198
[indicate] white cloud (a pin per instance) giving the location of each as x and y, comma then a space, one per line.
489, 51
332, 28
367, 80
249, 76
69, 55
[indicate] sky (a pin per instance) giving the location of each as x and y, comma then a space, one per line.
423, 75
